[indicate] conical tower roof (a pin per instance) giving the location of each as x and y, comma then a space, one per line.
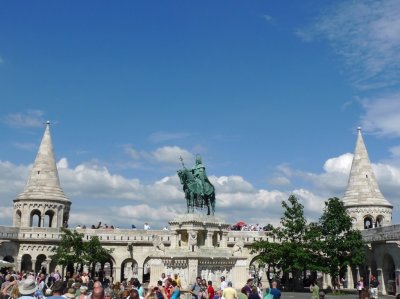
362, 187
43, 182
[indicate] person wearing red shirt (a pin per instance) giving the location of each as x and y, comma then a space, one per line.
168, 287
210, 290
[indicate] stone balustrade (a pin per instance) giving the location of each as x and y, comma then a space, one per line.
384, 233
117, 235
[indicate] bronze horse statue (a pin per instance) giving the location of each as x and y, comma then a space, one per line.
195, 194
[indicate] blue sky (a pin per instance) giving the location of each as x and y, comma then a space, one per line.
269, 93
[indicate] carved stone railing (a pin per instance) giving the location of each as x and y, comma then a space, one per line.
118, 236
381, 234
41, 234
248, 237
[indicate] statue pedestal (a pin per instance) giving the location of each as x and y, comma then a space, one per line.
199, 247
196, 231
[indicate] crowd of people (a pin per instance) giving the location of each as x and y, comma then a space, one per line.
248, 227
203, 289
28, 285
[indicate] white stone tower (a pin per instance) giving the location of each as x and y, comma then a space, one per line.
43, 202
363, 200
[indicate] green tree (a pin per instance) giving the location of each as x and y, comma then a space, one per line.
95, 253
288, 250
72, 250
341, 245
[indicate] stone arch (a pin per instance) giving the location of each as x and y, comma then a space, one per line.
26, 263
48, 218
255, 269
146, 271
129, 269
368, 221
17, 218
379, 221
35, 217
40, 264
8, 258
389, 273
53, 266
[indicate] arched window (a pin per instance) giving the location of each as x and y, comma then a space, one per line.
379, 221
48, 218
368, 222
36, 218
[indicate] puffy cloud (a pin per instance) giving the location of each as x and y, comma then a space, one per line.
339, 164
100, 195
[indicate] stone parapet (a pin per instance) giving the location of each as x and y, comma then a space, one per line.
381, 234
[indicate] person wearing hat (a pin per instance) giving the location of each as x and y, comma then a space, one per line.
27, 288
57, 290
71, 294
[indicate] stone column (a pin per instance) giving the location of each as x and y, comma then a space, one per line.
48, 261
224, 240
25, 217
117, 273
193, 271
174, 240
209, 239
240, 274
326, 281
140, 273
33, 264
358, 273
156, 269
397, 280
381, 280
349, 278
18, 264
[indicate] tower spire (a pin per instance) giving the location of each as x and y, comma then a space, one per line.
363, 190
43, 182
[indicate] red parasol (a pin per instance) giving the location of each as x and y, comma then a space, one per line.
240, 223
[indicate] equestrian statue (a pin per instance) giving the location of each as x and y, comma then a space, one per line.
199, 192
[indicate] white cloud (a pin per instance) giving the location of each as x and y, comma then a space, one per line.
339, 164
171, 154
62, 164
365, 35
382, 115
165, 154
279, 181
32, 118
99, 195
